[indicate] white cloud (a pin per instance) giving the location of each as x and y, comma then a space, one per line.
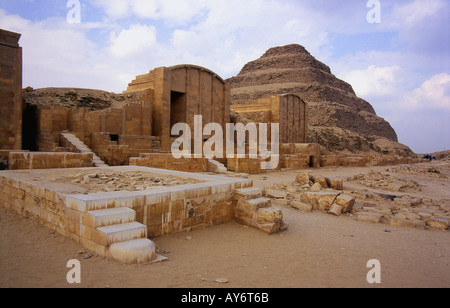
175, 12
374, 81
115, 9
433, 93
414, 12
137, 38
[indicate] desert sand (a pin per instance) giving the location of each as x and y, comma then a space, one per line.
317, 250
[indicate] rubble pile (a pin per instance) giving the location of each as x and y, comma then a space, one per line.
104, 181
393, 207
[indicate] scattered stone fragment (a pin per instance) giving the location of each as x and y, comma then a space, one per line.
304, 207
346, 202
335, 183
321, 180
277, 194
369, 217
335, 209
221, 280
316, 187
438, 223
303, 178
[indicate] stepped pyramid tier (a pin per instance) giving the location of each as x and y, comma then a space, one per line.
334, 110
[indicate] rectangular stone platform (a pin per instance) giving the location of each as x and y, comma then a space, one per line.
34, 194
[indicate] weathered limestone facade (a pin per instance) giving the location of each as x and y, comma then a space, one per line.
288, 110
10, 91
181, 92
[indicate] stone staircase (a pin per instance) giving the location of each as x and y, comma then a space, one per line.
116, 234
81, 147
216, 167
254, 210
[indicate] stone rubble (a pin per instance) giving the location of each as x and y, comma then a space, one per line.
307, 193
117, 181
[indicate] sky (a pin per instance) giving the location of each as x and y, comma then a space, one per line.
395, 53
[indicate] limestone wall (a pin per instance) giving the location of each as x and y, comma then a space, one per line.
167, 161
288, 110
43, 160
10, 91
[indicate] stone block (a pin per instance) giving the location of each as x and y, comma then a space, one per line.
303, 178
280, 202
304, 207
321, 180
346, 202
369, 217
319, 200
269, 215
254, 204
401, 222
248, 193
277, 194
316, 187
335, 183
335, 209
438, 223
132, 252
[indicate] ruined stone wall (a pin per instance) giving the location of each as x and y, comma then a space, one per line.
10, 91
167, 161
42, 160
181, 92
288, 110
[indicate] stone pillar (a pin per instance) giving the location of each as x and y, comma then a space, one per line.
161, 112
10, 91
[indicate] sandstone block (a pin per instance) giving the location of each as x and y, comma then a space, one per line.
408, 215
369, 217
335, 183
304, 207
438, 223
316, 187
269, 215
303, 178
270, 228
335, 209
321, 180
248, 193
346, 202
401, 222
280, 202
319, 200
277, 194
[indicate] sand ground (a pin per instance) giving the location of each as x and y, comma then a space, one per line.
318, 250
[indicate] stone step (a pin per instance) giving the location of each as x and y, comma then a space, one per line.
254, 204
80, 146
109, 217
217, 167
133, 251
248, 193
123, 232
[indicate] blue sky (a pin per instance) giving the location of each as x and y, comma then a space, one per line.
401, 65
